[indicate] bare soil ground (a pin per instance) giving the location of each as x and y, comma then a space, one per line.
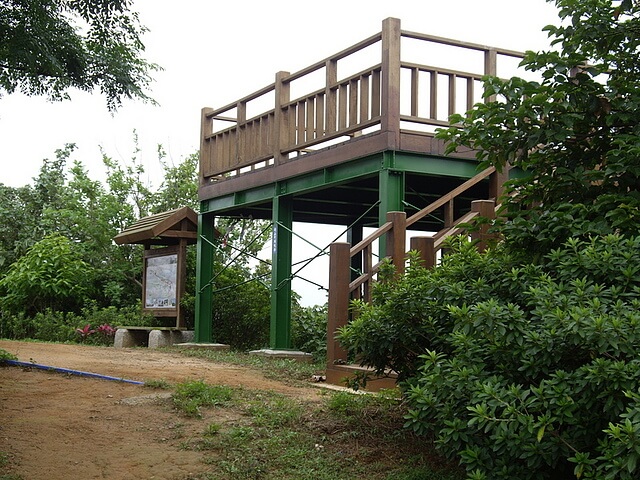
55, 426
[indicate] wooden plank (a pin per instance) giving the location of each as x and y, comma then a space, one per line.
310, 119
414, 92
364, 98
433, 95
452, 94
470, 93
320, 128
342, 106
300, 130
375, 93
353, 103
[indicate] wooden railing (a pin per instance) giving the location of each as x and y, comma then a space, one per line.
342, 290
391, 95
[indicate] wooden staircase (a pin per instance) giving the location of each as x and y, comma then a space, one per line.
343, 289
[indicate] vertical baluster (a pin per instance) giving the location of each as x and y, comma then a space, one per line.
375, 93
342, 114
433, 96
414, 91
353, 103
310, 119
301, 124
452, 94
364, 98
470, 93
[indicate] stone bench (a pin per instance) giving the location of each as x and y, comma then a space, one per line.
152, 337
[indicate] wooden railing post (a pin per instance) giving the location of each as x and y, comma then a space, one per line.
486, 209
281, 118
396, 240
391, 36
206, 128
497, 181
425, 246
338, 308
491, 68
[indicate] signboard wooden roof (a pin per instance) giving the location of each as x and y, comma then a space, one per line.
166, 228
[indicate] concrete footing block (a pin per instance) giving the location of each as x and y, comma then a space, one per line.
159, 338
182, 336
125, 338
290, 354
204, 346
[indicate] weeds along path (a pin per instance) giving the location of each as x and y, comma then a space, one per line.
143, 364
58, 427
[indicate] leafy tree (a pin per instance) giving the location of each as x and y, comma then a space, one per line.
50, 275
49, 46
523, 360
575, 134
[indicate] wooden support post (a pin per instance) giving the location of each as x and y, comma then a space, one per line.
486, 209
338, 308
425, 246
391, 35
496, 183
396, 240
491, 68
206, 128
281, 117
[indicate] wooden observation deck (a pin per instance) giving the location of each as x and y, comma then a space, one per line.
345, 141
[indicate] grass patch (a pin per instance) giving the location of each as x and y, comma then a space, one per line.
275, 437
282, 369
189, 397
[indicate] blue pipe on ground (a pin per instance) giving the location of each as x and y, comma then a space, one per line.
80, 373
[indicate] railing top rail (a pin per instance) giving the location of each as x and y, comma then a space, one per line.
457, 43
444, 71
252, 96
334, 58
446, 198
358, 247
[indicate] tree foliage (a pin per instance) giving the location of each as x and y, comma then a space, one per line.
523, 360
50, 46
83, 215
575, 133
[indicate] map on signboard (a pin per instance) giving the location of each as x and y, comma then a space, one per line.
161, 282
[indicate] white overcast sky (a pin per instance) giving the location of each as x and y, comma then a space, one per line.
215, 52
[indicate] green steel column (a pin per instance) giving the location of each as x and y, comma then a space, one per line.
391, 191
280, 337
355, 236
204, 274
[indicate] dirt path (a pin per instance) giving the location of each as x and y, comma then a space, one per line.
54, 426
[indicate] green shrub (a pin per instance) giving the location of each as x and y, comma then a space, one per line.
309, 330
241, 310
521, 371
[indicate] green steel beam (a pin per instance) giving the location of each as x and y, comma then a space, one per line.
280, 331
204, 275
345, 172
391, 188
